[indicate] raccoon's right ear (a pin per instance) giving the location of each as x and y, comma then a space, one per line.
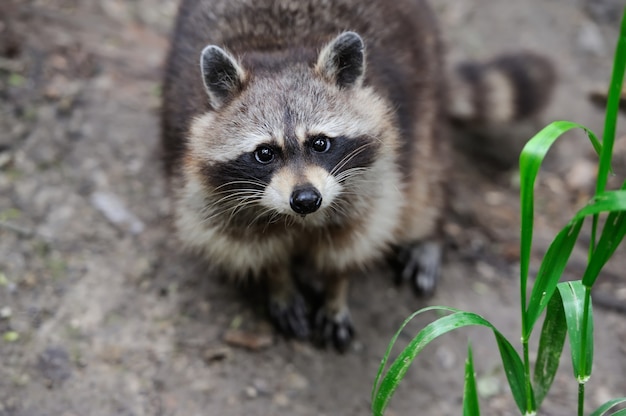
223, 77
342, 61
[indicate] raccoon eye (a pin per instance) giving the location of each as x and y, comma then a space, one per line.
320, 144
264, 155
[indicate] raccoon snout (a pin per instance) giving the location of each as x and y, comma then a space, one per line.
305, 200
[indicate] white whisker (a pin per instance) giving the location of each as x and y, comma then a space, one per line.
346, 159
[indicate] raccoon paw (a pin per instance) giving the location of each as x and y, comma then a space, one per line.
420, 263
290, 317
336, 328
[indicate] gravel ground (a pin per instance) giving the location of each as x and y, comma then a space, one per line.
101, 315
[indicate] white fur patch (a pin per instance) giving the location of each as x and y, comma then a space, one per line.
377, 203
210, 145
278, 192
201, 233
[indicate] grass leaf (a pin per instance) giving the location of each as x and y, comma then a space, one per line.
550, 348
573, 296
612, 107
608, 201
612, 234
530, 161
383, 361
550, 272
514, 369
561, 248
607, 406
470, 394
515, 374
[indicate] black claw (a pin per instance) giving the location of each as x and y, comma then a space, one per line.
425, 281
343, 334
290, 318
338, 330
419, 264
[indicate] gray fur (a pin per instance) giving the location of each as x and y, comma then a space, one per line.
221, 74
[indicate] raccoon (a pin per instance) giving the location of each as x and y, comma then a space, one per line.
309, 135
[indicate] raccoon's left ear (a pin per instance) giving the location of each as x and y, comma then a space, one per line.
222, 75
342, 61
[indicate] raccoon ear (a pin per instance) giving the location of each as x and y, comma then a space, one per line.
342, 61
223, 77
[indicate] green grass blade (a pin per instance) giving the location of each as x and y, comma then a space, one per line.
612, 107
558, 253
573, 296
511, 361
619, 413
551, 344
470, 394
550, 272
530, 161
383, 361
607, 406
515, 374
612, 234
608, 201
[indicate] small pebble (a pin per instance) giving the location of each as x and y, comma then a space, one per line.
251, 392
486, 271
494, 198
5, 312
488, 386
202, 385
114, 210
581, 176
54, 364
280, 400
21, 380
249, 340
590, 39
296, 381
212, 355
262, 386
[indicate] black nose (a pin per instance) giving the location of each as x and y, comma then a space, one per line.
305, 200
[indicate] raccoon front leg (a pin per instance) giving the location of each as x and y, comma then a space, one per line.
419, 263
287, 308
332, 321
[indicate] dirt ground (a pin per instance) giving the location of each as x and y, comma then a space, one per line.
100, 314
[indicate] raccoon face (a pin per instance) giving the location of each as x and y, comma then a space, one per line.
300, 142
